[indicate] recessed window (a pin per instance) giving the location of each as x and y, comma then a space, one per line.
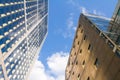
76, 36
78, 42
80, 50
79, 25
83, 62
73, 46
90, 47
75, 53
85, 37
96, 63
76, 62
69, 71
82, 31
88, 78
78, 77
73, 73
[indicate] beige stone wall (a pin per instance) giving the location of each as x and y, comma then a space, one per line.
81, 64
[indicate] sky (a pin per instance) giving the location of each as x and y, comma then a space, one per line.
62, 23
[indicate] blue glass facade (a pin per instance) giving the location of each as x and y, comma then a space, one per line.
23, 27
114, 26
101, 23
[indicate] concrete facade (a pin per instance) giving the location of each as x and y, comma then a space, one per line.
23, 29
94, 56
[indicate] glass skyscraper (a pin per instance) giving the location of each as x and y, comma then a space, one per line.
114, 27
23, 28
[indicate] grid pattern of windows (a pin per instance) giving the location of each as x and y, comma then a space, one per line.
12, 23
31, 11
23, 27
1, 73
16, 63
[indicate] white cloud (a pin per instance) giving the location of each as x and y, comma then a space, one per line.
56, 64
78, 7
38, 72
98, 13
84, 10
68, 33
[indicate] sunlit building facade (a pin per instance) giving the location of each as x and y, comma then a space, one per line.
93, 56
23, 29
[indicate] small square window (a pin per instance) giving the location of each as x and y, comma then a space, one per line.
80, 50
96, 63
73, 73
76, 62
90, 47
83, 62
69, 71
78, 75
85, 37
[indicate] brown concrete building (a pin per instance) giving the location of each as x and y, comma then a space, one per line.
94, 56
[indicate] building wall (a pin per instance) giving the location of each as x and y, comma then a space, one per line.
92, 57
23, 27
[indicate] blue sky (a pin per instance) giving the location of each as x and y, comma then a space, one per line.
63, 19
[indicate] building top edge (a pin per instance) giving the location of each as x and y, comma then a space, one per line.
97, 16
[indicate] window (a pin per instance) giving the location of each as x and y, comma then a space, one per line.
83, 62
75, 53
82, 31
76, 62
1, 73
69, 71
76, 36
80, 50
78, 77
79, 25
96, 63
78, 42
90, 47
88, 78
73, 73
84, 37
